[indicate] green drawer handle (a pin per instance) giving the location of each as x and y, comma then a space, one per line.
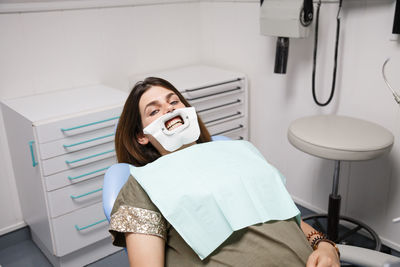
88, 157
87, 141
88, 226
86, 174
86, 194
88, 124
34, 162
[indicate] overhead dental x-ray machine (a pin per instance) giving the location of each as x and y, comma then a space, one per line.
290, 19
285, 19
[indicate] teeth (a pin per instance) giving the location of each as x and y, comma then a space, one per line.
173, 126
173, 123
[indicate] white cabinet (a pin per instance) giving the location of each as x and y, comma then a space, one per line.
61, 144
219, 96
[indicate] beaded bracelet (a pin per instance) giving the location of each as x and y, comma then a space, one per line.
316, 240
314, 233
318, 235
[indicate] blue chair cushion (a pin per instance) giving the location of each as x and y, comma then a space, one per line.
114, 179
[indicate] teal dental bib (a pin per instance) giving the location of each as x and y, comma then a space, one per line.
209, 190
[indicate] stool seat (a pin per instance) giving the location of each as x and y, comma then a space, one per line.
339, 137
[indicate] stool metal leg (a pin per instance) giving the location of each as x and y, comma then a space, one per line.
334, 205
331, 223
335, 184
347, 233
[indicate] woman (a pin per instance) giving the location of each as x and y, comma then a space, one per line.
151, 240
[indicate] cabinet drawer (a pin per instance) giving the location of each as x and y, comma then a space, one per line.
79, 174
220, 109
228, 128
76, 142
80, 228
75, 196
219, 116
237, 135
79, 158
209, 92
218, 103
59, 129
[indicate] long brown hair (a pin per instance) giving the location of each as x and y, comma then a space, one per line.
130, 126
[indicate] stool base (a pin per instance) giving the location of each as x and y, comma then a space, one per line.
348, 228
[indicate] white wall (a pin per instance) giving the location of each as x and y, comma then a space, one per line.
48, 51
55, 50
370, 190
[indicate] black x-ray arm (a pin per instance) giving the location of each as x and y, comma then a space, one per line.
396, 22
308, 12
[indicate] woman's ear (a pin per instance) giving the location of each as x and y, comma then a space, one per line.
142, 139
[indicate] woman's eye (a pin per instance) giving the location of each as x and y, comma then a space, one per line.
154, 112
175, 102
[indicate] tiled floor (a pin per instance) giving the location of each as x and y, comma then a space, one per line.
18, 250
22, 252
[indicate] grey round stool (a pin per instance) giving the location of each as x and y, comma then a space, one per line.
340, 138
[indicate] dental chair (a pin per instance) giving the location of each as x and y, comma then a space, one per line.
117, 175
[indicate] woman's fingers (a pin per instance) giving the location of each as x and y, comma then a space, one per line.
327, 262
318, 260
312, 260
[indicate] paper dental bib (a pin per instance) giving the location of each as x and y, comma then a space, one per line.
209, 190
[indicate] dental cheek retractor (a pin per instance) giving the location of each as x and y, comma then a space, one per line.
184, 134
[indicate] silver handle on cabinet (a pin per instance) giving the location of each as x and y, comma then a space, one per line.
209, 86
220, 106
214, 94
223, 118
230, 130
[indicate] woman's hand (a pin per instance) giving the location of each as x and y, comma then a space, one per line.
324, 256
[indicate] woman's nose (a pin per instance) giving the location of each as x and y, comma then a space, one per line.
170, 108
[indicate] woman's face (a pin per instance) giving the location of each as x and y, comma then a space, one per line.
154, 103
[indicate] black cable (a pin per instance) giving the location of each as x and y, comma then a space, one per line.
335, 57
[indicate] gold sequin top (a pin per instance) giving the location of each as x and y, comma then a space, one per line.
138, 220
133, 212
